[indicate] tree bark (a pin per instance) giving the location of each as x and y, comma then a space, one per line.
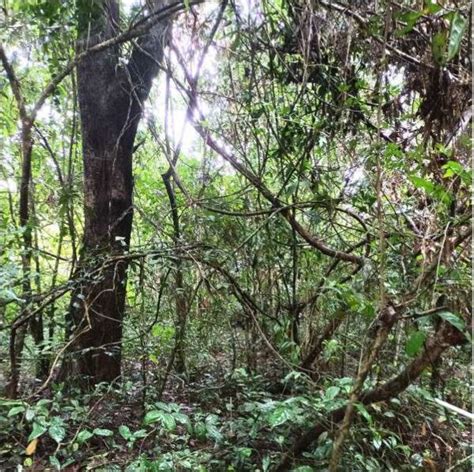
111, 95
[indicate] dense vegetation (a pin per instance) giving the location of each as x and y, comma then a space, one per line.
235, 236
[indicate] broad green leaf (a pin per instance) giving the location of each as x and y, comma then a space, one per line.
54, 461
181, 418
125, 432
434, 190
200, 430
168, 421
141, 433
103, 432
266, 463
414, 343
16, 410
38, 430
244, 451
420, 182
453, 319
213, 432
57, 432
84, 436
377, 441
162, 331
331, 393
4, 402
279, 416
458, 26
168, 407
152, 416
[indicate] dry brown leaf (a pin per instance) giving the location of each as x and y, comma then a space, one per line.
30, 450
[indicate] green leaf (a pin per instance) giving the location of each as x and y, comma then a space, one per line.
103, 432
455, 168
363, 411
182, 418
168, 421
152, 416
141, 433
410, 18
16, 410
377, 441
57, 432
279, 416
200, 430
414, 343
161, 331
125, 432
453, 319
38, 430
431, 8
244, 451
4, 402
266, 463
30, 414
54, 461
438, 47
168, 407
84, 436
331, 393
424, 184
434, 190
213, 432
458, 26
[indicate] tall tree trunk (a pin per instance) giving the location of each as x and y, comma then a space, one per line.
110, 95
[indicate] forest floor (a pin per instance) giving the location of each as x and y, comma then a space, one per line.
211, 422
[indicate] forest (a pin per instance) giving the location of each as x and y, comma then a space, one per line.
235, 235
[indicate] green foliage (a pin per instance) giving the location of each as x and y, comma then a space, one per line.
432, 189
347, 121
457, 28
415, 343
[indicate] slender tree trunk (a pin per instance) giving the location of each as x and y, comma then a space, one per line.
180, 298
17, 339
110, 96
